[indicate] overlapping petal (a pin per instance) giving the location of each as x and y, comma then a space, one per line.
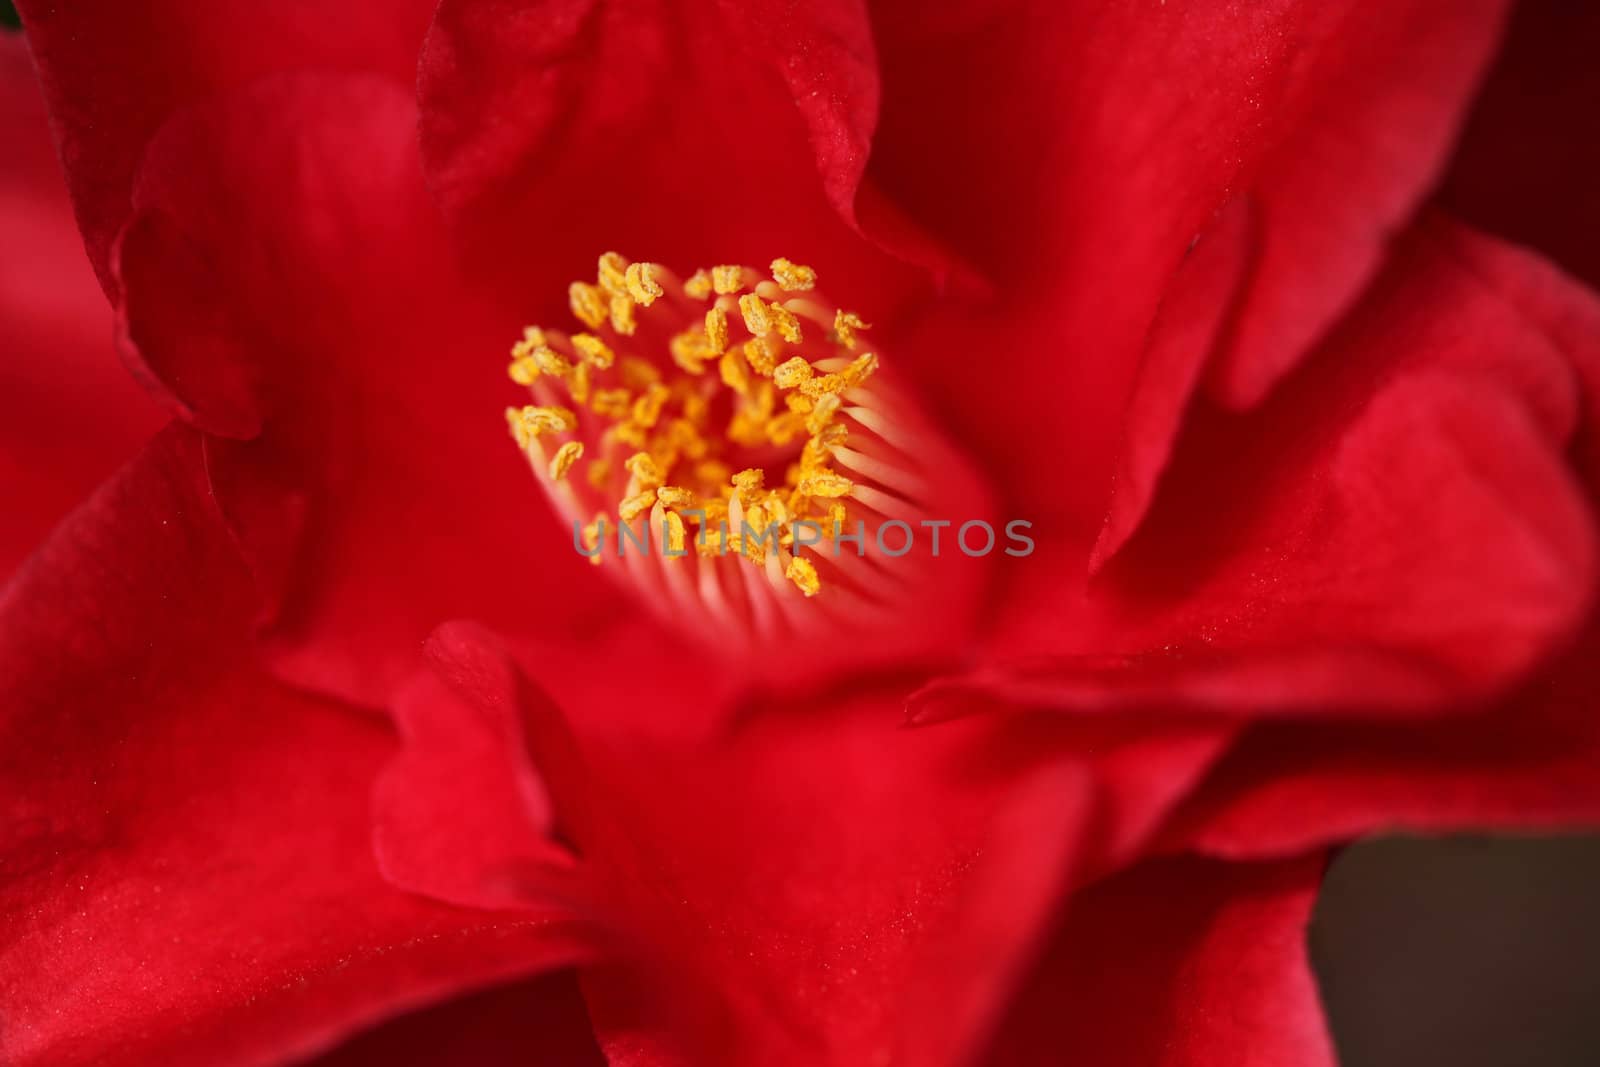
1076, 151
813, 886
287, 287
115, 73
189, 876
69, 412
1398, 528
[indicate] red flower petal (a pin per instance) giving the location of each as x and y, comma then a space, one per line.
285, 274
1396, 528
1074, 152
1529, 764
113, 76
687, 135
1181, 963
69, 412
187, 847
815, 885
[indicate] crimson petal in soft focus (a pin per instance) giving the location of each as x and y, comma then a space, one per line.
188, 854
1397, 529
287, 287
1143, 123
69, 414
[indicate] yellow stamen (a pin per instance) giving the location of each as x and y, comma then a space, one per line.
593, 350
791, 373
717, 330
792, 277
698, 285
803, 573
659, 430
613, 274
588, 303
565, 457
642, 284
845, 325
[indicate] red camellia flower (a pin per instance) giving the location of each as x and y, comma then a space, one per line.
1088, 460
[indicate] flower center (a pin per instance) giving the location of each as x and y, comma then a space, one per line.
714, 437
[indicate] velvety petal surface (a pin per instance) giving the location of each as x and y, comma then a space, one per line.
187, 846
287, 288
1145, 126
69, 413
1529, 764
1399, 527
689, 135
115, 73
813, 884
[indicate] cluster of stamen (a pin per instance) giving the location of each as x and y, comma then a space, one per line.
707, 407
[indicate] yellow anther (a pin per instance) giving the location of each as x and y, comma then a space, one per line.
642, 284
589, 303
698, 286
683, 436
675, 497
542, 420
613, 274
762, 318
717, 329
578, 384
684, 444
565, 457
803, 573
626, 433
786, 428
785, 322
690, 350
622, 314
612, 403
637, 505
836, 517
754, 310
644, 470
748, 482
647, 409
762, 355
735, 373
594, 350
860, 369
637, 373
592, 534
552, 362
518, 430
792, 277
845, 325
825, 483
532, 337
677, 537
791, 373
822, 413
696, 408
524, 371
